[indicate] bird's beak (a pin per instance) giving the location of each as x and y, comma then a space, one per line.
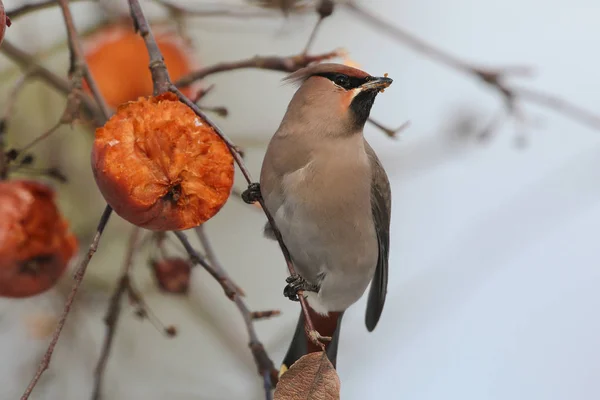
377, 83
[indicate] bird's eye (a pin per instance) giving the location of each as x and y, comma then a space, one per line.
342, 80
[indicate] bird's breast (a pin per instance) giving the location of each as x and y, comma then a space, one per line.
325, 216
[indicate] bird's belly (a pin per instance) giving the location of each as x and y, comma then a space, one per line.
323, 242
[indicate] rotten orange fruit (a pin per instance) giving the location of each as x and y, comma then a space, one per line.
160, 166
172, 275
35, 242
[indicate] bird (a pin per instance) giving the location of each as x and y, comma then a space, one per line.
330, 198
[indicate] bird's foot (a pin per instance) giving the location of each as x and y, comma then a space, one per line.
295, 284
316, 338
252, 194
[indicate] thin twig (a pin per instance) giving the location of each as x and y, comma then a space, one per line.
28, 63
392, 133
264, 314
41, 137
196, 258
221, 111
144, 311
79, 273
32, 7
212, 259
233, 12
13, 95
261, 358
271, 63
78, 63
324, 9
494, 78
113, 312
559, 105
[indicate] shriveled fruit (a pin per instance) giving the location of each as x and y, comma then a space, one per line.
35, 242
172, 274
4, 21
160, 167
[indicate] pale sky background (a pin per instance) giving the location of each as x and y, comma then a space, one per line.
494, 264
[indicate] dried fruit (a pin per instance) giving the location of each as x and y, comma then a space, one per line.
35, 242
118, 60
161, 167
4, 21
172, 274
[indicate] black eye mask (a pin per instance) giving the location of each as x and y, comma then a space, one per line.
345, 81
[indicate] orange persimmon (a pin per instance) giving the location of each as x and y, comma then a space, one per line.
35, 242
161, 167
118, 60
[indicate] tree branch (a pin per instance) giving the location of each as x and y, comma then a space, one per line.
233, 12
272, 63
113, 312
28, 63
32, 7
79, 273
212, 259
79, 68
263, 362
10, 106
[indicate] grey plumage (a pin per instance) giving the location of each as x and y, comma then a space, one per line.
381, 205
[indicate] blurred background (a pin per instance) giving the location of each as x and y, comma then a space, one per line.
494, 243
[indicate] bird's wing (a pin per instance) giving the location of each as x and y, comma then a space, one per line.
381, 207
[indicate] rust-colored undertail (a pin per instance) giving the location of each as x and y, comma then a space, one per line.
301, 345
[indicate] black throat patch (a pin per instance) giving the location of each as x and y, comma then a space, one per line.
361, 106
362, 103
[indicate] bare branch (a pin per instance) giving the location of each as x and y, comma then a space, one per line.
263, 362
113, 312
264, 314
233, 12
324, 9
392, 133
10, 106
560, 105
43, 136
79, 273
32, 7
28, 63
271, 63
212, 259
78, 63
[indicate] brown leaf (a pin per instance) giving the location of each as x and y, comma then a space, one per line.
312, 377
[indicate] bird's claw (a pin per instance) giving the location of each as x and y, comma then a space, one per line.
295, 284
252, 194
316, 338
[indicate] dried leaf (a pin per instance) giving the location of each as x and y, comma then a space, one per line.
312, 377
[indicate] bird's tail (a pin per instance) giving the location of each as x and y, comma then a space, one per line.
301, 345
